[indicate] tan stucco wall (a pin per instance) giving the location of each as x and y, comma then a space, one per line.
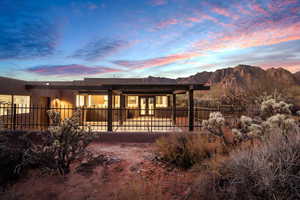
12, 86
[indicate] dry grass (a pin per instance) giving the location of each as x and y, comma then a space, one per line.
185, 150
140, 189
268, 171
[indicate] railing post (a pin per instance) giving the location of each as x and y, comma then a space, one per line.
109, 112
14, 116
191, 109
174, 109
122, 109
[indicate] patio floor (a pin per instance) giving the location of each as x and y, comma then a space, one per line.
138, 124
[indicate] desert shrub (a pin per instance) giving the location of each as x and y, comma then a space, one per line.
140, 189
185, 150
248, 129
12, 148
275, 116
67, 141
270, 171
214, 126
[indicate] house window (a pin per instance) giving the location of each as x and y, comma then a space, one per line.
99, 101
161, 101
22, 103
80, 100
5, 104
117, 101
5, 99
133, 101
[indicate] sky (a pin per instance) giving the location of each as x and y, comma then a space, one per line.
67, 40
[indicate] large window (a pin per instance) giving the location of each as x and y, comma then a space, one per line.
22, 104
133, 101
80, 100
117, 101
99, 101
5, 99
161, 101
5, 104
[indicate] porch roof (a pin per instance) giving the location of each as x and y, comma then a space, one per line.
142, 88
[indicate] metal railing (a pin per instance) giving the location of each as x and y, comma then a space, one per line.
35, 118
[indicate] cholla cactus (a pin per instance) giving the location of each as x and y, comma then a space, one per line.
273, 104
54, 116
283, 123
214, 124
69, 140
248, 130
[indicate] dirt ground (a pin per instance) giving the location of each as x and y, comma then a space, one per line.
129, 171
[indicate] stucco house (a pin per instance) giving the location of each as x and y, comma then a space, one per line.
102, 99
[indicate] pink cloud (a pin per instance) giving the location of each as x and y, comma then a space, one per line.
295, 10
224, 12
243, 10
253, 34
158, 2
69, 70
164, 24
154, 62
292, 66
257, 8
278, 5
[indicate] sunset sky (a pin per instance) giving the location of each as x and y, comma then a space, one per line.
66, 40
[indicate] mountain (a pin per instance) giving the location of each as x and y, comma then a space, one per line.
297, 75
243, 76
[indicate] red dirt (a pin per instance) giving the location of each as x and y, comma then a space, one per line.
135, 175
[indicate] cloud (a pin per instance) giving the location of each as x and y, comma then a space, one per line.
165, 23
69, 70
257, 8
253, 32
224, 12
279, 5
292, 66
100, 48
24, 35
158, 2
155, 62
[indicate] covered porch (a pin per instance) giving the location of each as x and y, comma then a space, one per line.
151, 113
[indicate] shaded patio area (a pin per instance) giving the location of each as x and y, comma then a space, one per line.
137, 124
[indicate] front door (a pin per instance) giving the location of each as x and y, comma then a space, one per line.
146, 106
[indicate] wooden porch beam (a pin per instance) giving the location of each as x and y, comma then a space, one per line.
191, 109
109, 111
122, 109
174, 108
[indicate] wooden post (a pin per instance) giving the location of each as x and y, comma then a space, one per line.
122, 109
174, 108
14, 116
191, 109
109, 111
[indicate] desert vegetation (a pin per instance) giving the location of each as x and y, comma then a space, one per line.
261, 162
257, 157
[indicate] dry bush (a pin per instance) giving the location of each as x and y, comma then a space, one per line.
270, 171
12, 148
140, 189
185, 150
66, 142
